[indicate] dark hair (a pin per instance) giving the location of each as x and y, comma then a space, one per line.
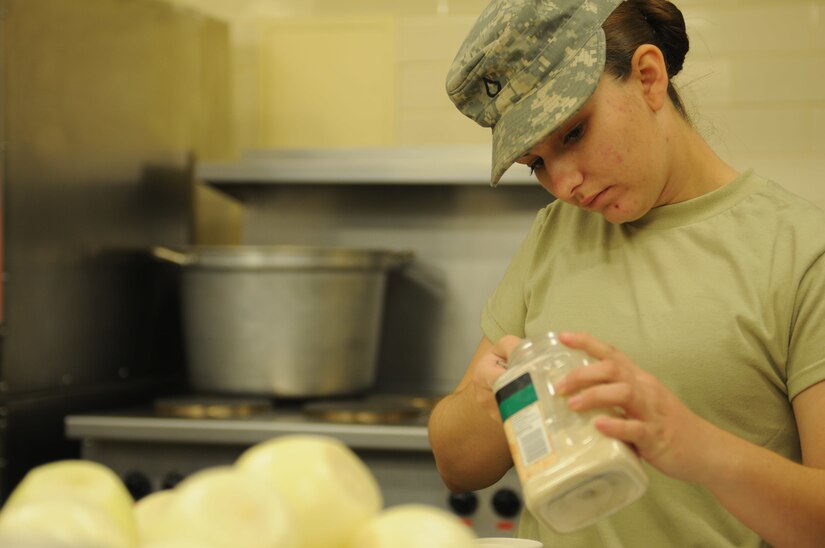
637, 22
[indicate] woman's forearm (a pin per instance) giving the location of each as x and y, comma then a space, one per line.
470, 448
783, 501
466, 435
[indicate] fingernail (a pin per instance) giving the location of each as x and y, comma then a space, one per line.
575, 402
560, 386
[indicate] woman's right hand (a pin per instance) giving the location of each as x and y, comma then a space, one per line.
465, 430
489, 368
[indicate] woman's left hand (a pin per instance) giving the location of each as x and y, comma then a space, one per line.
652, 419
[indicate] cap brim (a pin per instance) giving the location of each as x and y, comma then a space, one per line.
537, 115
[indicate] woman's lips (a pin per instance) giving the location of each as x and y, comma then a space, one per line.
592, 201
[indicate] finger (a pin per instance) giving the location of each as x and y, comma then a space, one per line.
485, 375
606, 396
487, 372
581, 340
493, 364
605, 371
505, 345
632, 432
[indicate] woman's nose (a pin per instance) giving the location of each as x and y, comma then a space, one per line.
563, 180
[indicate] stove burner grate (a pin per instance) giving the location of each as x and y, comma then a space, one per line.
205, 407
371, 410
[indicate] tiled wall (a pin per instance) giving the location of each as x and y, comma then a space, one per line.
754, 79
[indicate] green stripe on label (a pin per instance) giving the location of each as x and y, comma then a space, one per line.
517, 401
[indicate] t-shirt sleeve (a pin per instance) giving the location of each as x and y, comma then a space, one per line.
505, 311
806, 356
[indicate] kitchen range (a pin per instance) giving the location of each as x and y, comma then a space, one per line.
155, 446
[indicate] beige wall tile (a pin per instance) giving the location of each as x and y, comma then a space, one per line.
468, 7
326, 82
422, 86
817, 15
818, 134
750, 28
780, 77
706, 80
762, 130
432, 38
372, 7
439, 126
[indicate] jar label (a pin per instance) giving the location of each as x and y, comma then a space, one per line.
515, 396
524, 426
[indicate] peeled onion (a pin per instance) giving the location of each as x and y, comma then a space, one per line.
78, 481
178, 543
414, 526
61, 522
330, 490
226, 509
152, 516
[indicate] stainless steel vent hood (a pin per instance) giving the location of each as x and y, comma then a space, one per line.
438, 164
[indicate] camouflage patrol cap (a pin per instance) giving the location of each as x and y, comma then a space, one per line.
526, 67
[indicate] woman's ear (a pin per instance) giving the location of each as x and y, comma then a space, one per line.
648, 67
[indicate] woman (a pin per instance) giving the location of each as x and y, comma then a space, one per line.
709, 282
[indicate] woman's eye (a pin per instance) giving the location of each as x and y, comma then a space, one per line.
574, 135
536, 164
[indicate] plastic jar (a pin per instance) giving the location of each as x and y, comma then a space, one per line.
571, 474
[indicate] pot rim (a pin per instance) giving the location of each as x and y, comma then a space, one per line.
282, 257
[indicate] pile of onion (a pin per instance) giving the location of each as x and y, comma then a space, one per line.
299, 491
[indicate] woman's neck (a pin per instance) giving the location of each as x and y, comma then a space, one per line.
696, 169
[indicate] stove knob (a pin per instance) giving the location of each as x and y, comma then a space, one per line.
171, 480
463, 504
138, 484
506, 503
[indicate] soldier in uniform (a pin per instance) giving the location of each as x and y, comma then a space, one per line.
696, 288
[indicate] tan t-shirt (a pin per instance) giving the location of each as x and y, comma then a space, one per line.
721, 297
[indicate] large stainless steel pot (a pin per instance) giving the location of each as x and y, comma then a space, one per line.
285, 321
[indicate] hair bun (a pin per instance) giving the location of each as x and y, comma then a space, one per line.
668, 25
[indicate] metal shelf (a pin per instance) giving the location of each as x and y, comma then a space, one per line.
432, 165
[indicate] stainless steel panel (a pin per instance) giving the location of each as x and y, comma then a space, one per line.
103, 103
32, 428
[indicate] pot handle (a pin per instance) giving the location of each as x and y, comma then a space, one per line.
169, 255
